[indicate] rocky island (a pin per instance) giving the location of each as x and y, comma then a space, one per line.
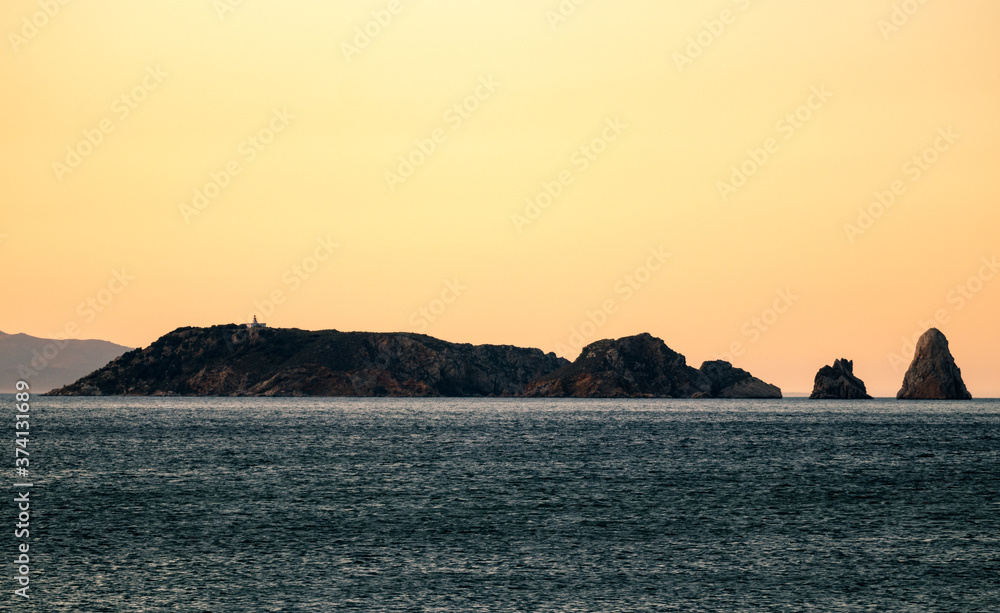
838, 382
933, 374
726, 381
254, 360
236, 360
643, 366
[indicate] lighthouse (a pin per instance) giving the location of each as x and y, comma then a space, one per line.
256, 324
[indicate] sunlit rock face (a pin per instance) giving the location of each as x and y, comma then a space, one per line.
933, 374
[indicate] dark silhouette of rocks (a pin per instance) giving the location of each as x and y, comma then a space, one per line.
236, 360
933, 374
239, 361
729, 382
643, 366
838, 382
631, 367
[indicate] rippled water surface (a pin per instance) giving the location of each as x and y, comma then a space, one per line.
511, 505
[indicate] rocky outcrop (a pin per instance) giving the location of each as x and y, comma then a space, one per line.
645, 367
933, 374
631, 367
838, 382
237, 361
729, 382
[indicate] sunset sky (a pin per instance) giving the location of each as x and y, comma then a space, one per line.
780, 183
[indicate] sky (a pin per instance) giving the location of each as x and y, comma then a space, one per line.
777, 183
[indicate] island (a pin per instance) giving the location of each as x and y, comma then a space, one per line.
255, 360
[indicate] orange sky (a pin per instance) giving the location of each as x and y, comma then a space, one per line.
499, 172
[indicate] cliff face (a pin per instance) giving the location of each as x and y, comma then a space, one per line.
643, 366
838, 382
233, 361
933, 374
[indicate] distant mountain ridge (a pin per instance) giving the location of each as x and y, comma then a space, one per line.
50, 363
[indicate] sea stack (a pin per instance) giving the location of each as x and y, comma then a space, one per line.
838, 382
933, 374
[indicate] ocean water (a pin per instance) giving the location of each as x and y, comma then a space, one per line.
144, 504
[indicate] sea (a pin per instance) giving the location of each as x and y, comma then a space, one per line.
465, 505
